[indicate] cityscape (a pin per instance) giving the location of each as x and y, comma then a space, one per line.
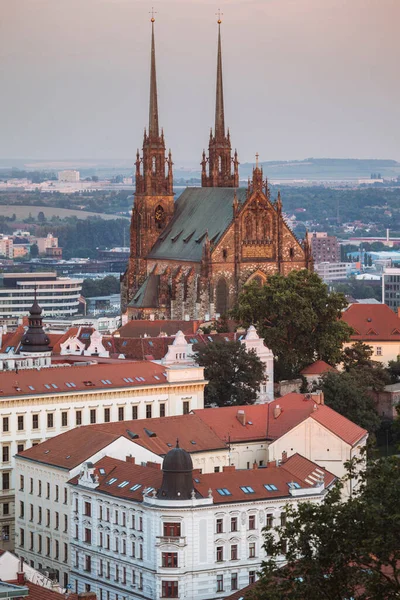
199, 343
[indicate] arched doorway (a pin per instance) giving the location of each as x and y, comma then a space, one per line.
222, 297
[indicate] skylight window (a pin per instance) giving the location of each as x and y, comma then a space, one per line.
31, 387
123, 484
210, 338
46, 385
151, 343
102, 471
54, 386
111, 481
196, 480
137, 378
148, 490
135, 487
156, 377
193, 442
124, 343
128, 379
226, 339
141, 378
270, 487
293, 485
240, 337
85, 336
247, 489
224, 492
106, 381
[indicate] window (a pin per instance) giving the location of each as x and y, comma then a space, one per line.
20, 422
48, 490
39, 515
57, 493
21, 509
220, 583
220, 554
283, 519
57, 549
234, 581
252, 522
216, 469
78, 417
283, 546
47, 517
234, 552
88, 563
223, 492
247, 489
234, 524
31, 544
169, 589
252, 550
270, 487
6, 453
270, 520
48, 546
65, 552
219, 526
65, 523
107, 415
6, 532
92, 416
172, 529
120, 413
186, 407
31, 485
293, 485
134, 412
6, 424
35, 421
20, 448
22, 537
379, 350
6, 508
64, 419
21, 483
50, 420
5, 478
87, 509
57, 524
88, 535
252, 577
169, 559
148, 411
162, 410
65, 496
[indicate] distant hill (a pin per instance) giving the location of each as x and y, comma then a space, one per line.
326, 168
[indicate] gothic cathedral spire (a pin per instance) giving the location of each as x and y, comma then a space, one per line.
154, 196
220, 158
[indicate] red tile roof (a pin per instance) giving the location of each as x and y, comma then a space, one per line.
372, 322
240, 594
37, 592
317, 368
83, 377
262, 424
296, 469
158, 435
137, 328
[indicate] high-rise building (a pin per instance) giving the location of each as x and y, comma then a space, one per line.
191, 258
391, 288
324, 247
69, 176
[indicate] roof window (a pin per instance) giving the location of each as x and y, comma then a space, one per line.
123, 484
156, 377
106, 381
54, 386
247, 489
224, 492
135, 487
85, 336
270, 487
124, 343
111, 481
102, 471
31, 388
293, 485
193, 442
148, 490
196, 480
46, 385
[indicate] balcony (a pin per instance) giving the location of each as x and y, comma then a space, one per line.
176, 541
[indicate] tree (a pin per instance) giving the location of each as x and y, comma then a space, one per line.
234, 374
394, 370
339, 550
41, 217
348, 393
34, 251
298, 318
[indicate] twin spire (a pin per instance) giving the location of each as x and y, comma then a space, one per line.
220, 159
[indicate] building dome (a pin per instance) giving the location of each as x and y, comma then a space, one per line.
35, 339
177, 482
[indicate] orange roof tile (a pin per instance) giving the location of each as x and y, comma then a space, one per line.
38, 592
53, 381
372, 322
137, 328
317, 368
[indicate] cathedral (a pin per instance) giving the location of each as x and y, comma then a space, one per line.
189, 259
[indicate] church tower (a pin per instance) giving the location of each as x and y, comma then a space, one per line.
220, 158
154, 197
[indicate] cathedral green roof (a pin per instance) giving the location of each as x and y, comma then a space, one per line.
198, 211
147, 294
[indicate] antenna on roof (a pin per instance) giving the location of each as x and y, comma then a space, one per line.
177, 443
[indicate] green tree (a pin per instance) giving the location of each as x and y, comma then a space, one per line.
339, 550
234, 374
34, 251
394, 370
41, 217
298, 318
348, 393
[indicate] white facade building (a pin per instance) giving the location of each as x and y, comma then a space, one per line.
70, 176
179, 533
333, 271
58, 296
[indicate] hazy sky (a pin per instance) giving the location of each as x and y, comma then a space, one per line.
301, 77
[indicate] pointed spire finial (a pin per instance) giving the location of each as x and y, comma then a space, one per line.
257, 155
177, 443
219, 15
219, 131
153, 109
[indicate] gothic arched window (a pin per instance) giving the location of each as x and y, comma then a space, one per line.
159, 217
220, 164
248, 226
222, 297
153, 164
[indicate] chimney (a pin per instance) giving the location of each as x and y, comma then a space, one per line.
241, 417
153, 465
130, 459
255, 465
318, 397
277, 411
227, 468
20, 573
284, 456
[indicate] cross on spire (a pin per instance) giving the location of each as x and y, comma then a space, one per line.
219, 14
152, 12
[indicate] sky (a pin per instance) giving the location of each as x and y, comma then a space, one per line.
302, 78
